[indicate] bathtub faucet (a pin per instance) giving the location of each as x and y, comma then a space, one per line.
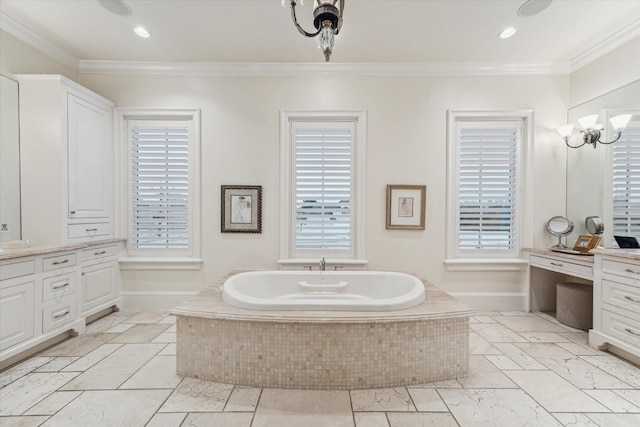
323, 264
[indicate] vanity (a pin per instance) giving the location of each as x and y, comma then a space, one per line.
615, 277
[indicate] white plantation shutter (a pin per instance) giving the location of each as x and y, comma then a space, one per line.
322, 186
487, 188
159, 205
626, 183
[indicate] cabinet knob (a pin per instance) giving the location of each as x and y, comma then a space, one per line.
72, 212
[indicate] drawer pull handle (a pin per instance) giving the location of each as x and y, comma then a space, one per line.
557, 264
631, 332
628, 270
56, 288
627, 297
91, 229
61, 262
100, 253
58, 316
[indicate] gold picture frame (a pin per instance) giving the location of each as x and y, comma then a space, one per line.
585, 243
406, 207
241, 209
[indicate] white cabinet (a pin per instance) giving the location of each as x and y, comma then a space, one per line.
100, 278
16, 313
66, 134
616, 304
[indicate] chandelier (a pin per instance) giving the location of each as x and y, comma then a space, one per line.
327, 19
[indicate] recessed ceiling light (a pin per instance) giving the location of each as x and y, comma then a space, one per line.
118, 7
141, 32
533, 7
507, 32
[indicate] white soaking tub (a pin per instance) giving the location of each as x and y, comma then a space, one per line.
323, 290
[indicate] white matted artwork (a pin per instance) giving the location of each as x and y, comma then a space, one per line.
241, 209
406, 207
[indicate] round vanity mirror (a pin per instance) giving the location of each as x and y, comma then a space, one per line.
594, 225
559, 226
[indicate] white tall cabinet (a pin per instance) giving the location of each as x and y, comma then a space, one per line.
66, 137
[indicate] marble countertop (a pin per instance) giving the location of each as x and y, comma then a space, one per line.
209, 304
587, 259
633, 254
47, 249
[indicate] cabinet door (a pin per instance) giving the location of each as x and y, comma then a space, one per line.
99, 284
16, 314
90, 159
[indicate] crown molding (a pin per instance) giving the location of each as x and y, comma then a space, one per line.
24, 34
606, 46
319, 69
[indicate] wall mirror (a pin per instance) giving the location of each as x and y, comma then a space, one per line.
9, 160
586, 180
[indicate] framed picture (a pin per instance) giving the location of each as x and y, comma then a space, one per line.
406, 207
586, 243
241, 209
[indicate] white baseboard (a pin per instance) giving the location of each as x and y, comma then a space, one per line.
492, 301
154, 300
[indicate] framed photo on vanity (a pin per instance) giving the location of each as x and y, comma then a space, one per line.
585, 243
241, 207
406, 207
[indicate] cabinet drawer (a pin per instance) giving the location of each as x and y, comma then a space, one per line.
17, 269
57, 287
58, 315
60, 261
562, 266
624, 269
621, 295
79, 231
100, 252
16, 314
621, 327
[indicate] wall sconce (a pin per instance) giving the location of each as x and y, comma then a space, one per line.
327, 18
592, 132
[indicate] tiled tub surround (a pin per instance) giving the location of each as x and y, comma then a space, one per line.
323, 349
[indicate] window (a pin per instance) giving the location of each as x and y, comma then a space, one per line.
162, 207
323, 183
626, 182
486, 180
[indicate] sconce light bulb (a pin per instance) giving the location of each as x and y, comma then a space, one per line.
620, 121
588, 122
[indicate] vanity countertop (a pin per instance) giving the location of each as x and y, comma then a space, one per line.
47, 249
633, 254
561, 255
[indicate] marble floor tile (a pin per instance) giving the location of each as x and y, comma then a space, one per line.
147, 317
427, 400
483, 374
96, 408
193, 395
165, 337
632, 396
582, 374
616, 420
87, 361
554, 393
613, 401
578, 349
484, 319
544, 337
503, 362
173, 328
22, 421
19, 396
371, 419
524, 323
168, 350
576, 337
167, 420
168, 319
575, 420
243, 399
478, 345
382, 399
120, 328
442, 384
105, 323
22, 369
616, 367
57, 364
496, 407
114, 369
407, 419
140, 333
544, 350
496, 333
219, 419
78, 346
159, 372
309, 408
53, 403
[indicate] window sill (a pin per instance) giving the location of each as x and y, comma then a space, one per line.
331, 263
486, 264
133, 263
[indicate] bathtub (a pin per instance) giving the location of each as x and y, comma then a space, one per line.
323, 290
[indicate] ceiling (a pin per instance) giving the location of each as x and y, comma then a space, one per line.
375, 32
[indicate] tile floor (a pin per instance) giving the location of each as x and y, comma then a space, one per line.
525, 370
